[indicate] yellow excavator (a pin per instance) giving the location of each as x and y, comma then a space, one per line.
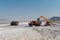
38, 22
48, 23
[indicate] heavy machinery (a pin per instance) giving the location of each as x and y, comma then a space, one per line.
48, 23
34, 23
38, 22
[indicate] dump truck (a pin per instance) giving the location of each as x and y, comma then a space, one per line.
34, 23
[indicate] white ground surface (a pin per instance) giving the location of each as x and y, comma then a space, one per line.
23, 32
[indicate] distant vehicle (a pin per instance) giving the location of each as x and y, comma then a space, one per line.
14, 23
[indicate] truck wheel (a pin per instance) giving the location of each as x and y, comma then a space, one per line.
36, 24
30, 25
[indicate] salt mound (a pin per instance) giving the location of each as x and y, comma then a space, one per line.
29, 34
19, 34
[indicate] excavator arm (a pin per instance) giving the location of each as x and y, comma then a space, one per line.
46, 20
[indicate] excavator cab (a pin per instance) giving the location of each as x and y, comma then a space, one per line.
38, 19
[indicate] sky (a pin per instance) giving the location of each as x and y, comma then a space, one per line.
28, 9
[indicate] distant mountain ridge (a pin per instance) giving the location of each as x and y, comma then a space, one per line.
55, 18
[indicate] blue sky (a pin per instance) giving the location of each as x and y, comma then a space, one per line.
29, 9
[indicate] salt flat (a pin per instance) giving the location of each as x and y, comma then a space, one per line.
24, 32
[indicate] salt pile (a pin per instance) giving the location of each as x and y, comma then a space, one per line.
29, 34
